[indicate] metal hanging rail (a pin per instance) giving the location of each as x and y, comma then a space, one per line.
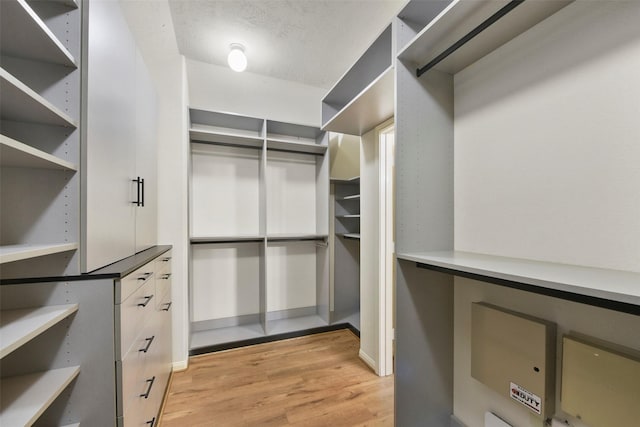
477, 30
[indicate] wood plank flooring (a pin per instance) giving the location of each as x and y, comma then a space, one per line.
316, 380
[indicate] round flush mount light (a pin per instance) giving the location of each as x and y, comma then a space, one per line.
237, 60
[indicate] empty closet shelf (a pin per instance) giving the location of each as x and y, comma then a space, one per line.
226, 239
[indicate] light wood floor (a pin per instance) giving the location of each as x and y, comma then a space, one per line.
316, 380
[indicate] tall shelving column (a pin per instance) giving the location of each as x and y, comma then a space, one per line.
40, 48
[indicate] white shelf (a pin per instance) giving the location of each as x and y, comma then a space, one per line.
225, 239
349, 216
282, 144
295, 236
26, 397
613, 285
25, 35
462, 16
353, 180
20, 103
211, 134
17, 154
368, 109
354, 236
353, 197
18, 327
10, 253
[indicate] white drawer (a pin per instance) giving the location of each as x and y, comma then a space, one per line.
131, 282
134, 313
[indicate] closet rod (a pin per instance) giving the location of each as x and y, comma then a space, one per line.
480, 28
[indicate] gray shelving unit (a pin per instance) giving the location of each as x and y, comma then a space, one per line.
260, 141
39, 157
427, 259
346, 280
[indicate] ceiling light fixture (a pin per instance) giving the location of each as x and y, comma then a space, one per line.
237, 59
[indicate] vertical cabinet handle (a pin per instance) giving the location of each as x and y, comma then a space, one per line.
139, 192
146, 395
142, 185
149, 341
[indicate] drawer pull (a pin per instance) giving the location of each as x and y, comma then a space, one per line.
167, 306
147, 298
166, 276
149, 341
151, 422
146, 395
144, 276
167, 259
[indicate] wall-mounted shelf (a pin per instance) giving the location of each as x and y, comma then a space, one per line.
354, 236
25, 35
20, 103
363, 97
26, 397
295, 138
348, 216
294, 237
10, 253
612, 285
226, 239
296, 147
461, 17
353, 180
226, 129
206, 134
414, 17
17, 154
18, 327
352, 197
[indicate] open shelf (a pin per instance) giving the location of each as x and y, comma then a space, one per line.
20, 326
294, 146
352, 197
10, 253
414, 17
354, 180
25, 35
363, 97
26, 397
461, 17
226, 239
613, 285
348, 216
368, 109
294, 138
17, 154
20, 103
211, 135
353, 236
295, 236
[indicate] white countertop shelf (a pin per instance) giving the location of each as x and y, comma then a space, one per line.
210, 134
25, 35
26, 397
461, 17
16, 154
10, 253
612, 285
368, 109
18, 327
20, 103
282, 144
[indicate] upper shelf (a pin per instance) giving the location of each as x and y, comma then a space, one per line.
296, 138
10, 253
21, 104
20, 326
226, 129
17, 154
24, 35
460, 17
348, 107
209, 134
353, 180
612, 285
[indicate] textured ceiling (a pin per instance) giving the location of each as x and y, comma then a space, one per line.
307, 41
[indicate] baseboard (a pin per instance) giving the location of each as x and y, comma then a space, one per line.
180, 365
368, 360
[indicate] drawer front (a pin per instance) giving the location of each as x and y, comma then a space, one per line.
163, 276
135, 312
131, 282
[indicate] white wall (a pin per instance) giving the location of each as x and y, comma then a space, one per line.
370, 246
546, 161
218, 88
344, 156
151, 24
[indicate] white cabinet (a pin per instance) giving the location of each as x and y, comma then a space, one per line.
119, 157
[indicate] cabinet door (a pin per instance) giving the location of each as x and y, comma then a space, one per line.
146, 157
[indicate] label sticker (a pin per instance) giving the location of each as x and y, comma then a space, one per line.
525, 397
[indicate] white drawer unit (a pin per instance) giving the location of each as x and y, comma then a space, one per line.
144, 356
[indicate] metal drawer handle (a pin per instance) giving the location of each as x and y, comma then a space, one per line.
166, 276
168, 306
144, 276
149, 341
167, 259
152, 421
147, 298
146, 395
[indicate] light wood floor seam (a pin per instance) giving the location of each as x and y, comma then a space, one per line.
312, 381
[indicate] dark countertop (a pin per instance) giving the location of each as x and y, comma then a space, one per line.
116, 270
